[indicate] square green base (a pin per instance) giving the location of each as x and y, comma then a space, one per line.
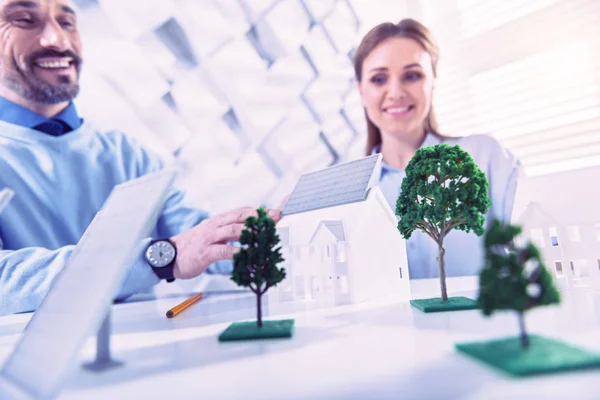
437, 305
543, 355
248, 330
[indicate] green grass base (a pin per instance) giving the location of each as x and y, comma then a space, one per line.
437, 305
543, 355
248, 330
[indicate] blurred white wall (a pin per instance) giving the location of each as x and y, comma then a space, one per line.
250, 94
247, 94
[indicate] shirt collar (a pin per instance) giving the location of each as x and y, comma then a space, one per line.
18, 115
431, 139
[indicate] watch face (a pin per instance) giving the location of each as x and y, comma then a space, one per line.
160, 254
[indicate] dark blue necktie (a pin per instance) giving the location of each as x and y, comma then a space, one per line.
53, 127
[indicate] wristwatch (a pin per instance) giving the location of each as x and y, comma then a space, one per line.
160, 255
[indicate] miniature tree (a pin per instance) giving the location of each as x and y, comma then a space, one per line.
443, 190
513, 278
255, 265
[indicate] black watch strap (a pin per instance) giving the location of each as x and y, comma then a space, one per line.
165, 273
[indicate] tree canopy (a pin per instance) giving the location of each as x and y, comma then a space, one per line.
513, 278
443, 190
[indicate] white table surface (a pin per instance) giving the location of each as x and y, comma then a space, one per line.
378, 350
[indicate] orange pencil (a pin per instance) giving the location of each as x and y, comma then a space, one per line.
185, 305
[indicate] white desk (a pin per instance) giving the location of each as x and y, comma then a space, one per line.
380, 350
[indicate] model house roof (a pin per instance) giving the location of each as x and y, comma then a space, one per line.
341, 184
535, 209
335, 227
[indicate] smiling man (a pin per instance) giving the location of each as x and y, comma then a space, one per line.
41, 59
62, 170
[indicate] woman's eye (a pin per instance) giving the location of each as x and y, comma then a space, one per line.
413, 76
378, 79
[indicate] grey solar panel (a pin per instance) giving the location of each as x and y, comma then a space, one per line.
83, 292
333, 186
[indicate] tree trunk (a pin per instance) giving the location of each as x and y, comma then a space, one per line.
524, 337
440, 261
258, 310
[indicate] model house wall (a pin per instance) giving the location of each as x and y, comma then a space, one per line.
342, 253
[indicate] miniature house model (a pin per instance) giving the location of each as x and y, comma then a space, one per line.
542, 230
340, 240
564, 225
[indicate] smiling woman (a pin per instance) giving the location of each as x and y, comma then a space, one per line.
396, 67
41, 60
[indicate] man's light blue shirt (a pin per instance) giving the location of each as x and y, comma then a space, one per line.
464, 251
60, 183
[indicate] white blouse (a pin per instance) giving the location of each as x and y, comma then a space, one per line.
464, 251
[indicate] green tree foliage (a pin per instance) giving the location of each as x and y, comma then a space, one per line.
513, 278
255, 265
443, 190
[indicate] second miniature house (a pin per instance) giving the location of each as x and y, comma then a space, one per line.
542, 229
559, 214
340, 240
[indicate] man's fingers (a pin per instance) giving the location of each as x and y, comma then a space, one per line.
284, 202
233, 221
274, 214
218, 252
235, 216
227, 233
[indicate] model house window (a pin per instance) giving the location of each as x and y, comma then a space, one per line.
341, 252
559, 269
553, 236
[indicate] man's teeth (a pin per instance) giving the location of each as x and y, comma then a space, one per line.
53, 64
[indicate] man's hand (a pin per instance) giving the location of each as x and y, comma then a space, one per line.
208, 241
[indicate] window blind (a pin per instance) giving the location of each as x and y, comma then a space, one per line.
528, 73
